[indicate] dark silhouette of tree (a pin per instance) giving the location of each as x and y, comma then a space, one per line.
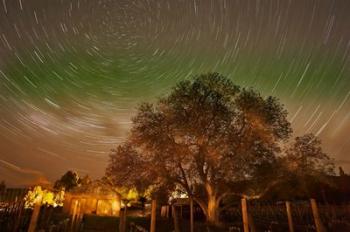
68, 181
306, 158
305, 169
2, 186
341, 171
84, 185
207, 135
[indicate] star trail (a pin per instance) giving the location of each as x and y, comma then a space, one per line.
73, 71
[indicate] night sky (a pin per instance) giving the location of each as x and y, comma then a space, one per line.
73, 71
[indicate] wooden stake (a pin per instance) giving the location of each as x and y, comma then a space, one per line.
318, 223
79, 209
167, 211
124, 217
162, 211
35, 216
191, 215
121, 221
153, 216
176, 222
245, 215
251, 223
290, 218
96, 207
74, 215
18, 221
118, 205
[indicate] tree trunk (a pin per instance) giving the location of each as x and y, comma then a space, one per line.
176, 219
213, 210
213, 206
210, 207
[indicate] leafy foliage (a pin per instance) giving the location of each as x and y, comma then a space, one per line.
304, 168
68, 181
305, 157
43, 196
207, 134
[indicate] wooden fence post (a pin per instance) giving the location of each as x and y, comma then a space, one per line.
245, 215
20, 209
35, 216
153, 216
96, 206
81, 211
315, 213
118, 205
124, 216
176, 222
121, 221
290, 218
162, 211
251, 222
75, 215
167, 211
191, 215
73, 210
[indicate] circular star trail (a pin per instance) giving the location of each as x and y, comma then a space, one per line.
73, 71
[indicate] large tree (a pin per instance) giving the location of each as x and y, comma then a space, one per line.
206, 135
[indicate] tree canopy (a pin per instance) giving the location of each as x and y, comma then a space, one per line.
203, 138
305, 157
304, 168
68, 181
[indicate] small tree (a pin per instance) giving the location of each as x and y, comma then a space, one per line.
306, 157
207, 135
306, 164
123, 193
68, 181
341, 171
84, 185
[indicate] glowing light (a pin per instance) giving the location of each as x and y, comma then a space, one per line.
43, 196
